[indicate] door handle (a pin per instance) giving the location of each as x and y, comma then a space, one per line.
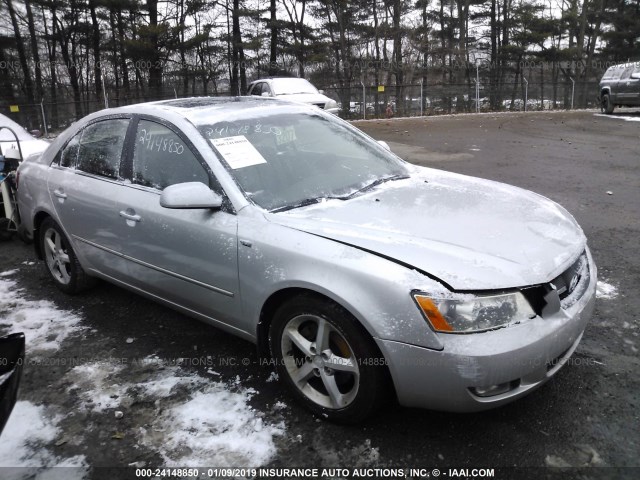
59, 193
130, 216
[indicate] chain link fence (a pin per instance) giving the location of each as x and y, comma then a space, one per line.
414, 99
356, 102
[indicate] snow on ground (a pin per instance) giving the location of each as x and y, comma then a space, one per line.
605, 290
620, 117
195, 421
23, 445
45, 326
215, 427
191, 420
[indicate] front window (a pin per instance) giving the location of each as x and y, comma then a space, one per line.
292, 86
161, 158
289, 159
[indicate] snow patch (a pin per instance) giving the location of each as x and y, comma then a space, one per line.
215, 427
606, 291
29, 428
620, 117
45, 326
195, 421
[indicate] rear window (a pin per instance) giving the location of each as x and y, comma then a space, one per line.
100, 147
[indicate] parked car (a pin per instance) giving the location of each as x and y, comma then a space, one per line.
620, 87
358, 274
29, 145
295, 90
11, 363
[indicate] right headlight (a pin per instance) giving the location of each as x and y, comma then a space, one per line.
465, 313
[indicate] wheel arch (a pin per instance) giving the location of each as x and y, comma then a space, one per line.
280, 297
38, 218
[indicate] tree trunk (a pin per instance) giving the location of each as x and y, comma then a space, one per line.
22, 57
51, 52
155, 67
34, 51
123, 58
273, 47
397, 51
95, 45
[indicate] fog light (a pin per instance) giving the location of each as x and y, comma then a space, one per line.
493, 390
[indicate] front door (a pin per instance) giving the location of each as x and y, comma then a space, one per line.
186, 257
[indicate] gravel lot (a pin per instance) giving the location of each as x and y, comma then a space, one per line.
190, 395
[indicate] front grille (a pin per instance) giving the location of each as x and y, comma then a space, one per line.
572, 283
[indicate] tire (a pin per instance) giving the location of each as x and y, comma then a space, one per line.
60, 260
607, 106
346, 380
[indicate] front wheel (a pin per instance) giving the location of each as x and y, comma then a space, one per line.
60, 260
327, 360
607, 106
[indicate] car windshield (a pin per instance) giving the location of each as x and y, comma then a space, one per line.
295, 158
292, 86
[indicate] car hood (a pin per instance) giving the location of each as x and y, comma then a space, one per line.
471, 234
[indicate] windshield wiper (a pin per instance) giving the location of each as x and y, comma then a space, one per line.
304, 203
375, 183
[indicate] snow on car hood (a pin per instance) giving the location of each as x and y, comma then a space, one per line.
470, 233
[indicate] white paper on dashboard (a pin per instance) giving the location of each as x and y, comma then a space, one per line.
238, 151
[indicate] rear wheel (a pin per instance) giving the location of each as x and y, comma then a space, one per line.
327, 359
60, 260
607, 106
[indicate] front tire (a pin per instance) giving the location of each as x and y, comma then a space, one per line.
327, 360
60, 260
607, 106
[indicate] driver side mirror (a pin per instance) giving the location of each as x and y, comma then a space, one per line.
190, 195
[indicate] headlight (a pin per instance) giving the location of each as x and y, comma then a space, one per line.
467, 313
330, 104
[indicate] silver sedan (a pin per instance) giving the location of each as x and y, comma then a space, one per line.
360, 276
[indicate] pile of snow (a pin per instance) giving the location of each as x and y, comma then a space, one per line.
196, 421
23, 445
45, 326
215, 427
606, 291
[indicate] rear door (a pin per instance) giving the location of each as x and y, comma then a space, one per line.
186, 257
84, 183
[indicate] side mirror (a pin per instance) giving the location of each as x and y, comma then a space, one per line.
635, 75
321, 92
265, 94
384, 145
189, 195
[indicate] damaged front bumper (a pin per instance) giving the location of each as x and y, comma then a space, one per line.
484, 370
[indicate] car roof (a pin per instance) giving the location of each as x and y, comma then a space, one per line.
200, 107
